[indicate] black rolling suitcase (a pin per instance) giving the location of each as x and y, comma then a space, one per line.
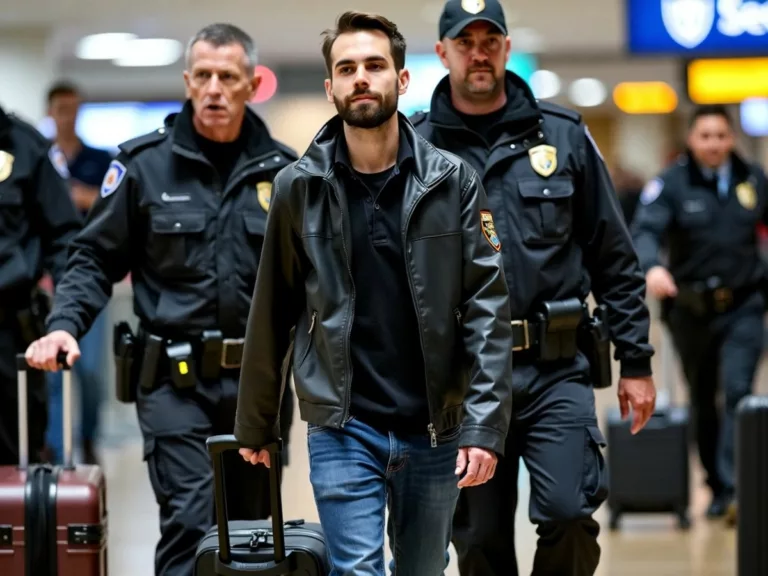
262, 547
649, 472
752, 485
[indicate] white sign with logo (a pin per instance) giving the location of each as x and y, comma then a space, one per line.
690, 22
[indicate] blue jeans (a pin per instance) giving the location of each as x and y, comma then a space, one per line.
357, 471
90, 372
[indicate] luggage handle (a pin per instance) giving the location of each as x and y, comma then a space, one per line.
23, 367
225, 564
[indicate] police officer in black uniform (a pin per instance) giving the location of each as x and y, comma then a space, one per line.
37, 221
704, 210
183, 210
564, 236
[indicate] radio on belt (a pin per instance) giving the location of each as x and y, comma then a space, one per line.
182, 364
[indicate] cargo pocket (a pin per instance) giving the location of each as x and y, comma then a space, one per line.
157, 477
546, 217
595, 477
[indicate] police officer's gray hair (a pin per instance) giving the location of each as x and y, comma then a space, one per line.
222, 34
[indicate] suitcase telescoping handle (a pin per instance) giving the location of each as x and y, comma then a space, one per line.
23, 368
226, 565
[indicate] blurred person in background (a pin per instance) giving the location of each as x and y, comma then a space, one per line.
84, 167
183, 210
37, 222
381, 251
564, 236
628, 187
705, 210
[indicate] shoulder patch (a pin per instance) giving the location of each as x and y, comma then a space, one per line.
651, 191
112, 178
554, 109
489, 229
59, 161
134, 145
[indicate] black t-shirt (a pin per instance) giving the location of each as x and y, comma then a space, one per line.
486, 125
223, 155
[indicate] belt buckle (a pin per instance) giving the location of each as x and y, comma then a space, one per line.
227, 344
723, 298
527, 343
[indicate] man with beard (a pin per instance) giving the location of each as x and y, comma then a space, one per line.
382, 252
564, 236
183, 210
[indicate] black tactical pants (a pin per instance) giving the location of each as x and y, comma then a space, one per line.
555, 431
37, 402
718, 353
175, 425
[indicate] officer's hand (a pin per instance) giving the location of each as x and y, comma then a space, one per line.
660, 283
42, 353
479, 463
260, 457
640, 394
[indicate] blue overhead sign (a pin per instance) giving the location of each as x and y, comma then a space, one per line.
697, 27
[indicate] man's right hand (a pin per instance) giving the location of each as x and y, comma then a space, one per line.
42, 353
260, 457
660, 283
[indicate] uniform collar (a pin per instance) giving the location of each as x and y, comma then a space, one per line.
734, 168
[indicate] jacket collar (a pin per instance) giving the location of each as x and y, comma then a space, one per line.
5, 123
258, 139
739, 172
429, 164
518, 118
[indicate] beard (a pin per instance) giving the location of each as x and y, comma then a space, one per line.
370, 114
490, 87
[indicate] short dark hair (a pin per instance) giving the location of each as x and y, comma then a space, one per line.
62, 88
362, 21
710, 110
223, 34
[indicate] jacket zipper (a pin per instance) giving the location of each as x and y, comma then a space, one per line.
431, 427
312, 323
348, 387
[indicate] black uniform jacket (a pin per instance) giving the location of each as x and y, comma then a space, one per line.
190, 243
557, 214
457, 284
37, 217
706, 237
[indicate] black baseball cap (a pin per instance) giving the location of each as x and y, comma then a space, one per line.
458, 14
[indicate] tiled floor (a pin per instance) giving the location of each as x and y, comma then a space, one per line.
644, 546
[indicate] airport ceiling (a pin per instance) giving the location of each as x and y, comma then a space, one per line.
289, 30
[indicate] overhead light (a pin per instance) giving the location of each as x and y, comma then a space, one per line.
587, 92
727, 80
150, 52
754, 117
105, 46
645, 98
545, 84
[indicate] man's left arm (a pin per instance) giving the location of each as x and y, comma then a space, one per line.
617, 279
487, 330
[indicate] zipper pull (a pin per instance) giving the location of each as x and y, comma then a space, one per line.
312, 323
457, 313
432, 435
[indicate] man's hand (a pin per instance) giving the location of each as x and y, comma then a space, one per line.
479, 463
640, 394
660, 283
42, 353
260, 457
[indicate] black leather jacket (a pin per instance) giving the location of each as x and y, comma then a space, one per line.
304, 279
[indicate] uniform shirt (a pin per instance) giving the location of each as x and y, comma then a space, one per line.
388, 380
561, 227
37, 217
708, 233
89, 165
190, 239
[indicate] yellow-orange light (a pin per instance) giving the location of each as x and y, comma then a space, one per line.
645, 98
727, 81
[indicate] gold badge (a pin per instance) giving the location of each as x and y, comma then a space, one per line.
264, 191
489, 230
747, 196
6, 165
543, 159
473, 6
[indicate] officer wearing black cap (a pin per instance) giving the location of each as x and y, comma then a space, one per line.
37, 221
705, 209
564, 237
183, 210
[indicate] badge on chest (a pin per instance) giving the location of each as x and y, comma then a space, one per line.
264, 194
543, 159
6, 165
745, 192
